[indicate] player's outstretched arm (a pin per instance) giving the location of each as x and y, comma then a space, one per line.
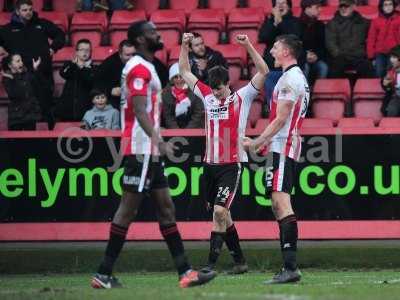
261, 67
184, 66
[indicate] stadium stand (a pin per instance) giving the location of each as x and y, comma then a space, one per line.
119, 24
67, 7
171, 24
174, 55
266, 5
209, 23
356, 123
57, 17
317, 123
226, 5
389, 123
4, 18
88, 25
148, 6
236, 57
63, 55
246, 21
367, 98
187, 5
327, 13
162, 55
101, 53
368, 11
60, 126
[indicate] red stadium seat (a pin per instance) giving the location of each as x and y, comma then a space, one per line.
332, 2
317, 123
57, 17
170, 24
368, 12
37, 5
296, 3
367, 97
149, 6
63, 55
174, 55
296, 11
162, 55
373, 2
99, 54
5, 18
209, 23
329, 98
266, 5
120, 22
246, 21
61, 126
226, 5
236, 57
67, 7
255, 113
327, 13
356, 123
187, 5
90, 25
390, 123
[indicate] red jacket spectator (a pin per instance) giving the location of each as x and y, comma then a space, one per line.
384, 32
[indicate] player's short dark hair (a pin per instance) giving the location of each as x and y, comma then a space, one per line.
293, 43
97, 92
135, 30
218, 75
124, 43
82, 41
19, 3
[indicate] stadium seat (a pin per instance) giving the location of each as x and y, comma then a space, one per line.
187, 5
5, 18
296, 3
89, 25
266, 5
236, 57
296, 11
101, 53
209, 23
317, 123
390, 123
332, 3
255, 113
226, 5
373, 2
327, 13
329, 98
367, 97
63, 55
239, 84
162, 55
60, 126
246, 21
120, 22
149, 6
67, 7
252, 69
174, 55
57, 17
171, 24
37, 5
356, 123
3, 117
367, 11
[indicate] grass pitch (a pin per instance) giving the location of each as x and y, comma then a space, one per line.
316, 284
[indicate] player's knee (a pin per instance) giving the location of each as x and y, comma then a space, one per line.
220, 214
167, 215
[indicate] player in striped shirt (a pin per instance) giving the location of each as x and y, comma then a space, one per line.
226, 118
288, 109
143, 162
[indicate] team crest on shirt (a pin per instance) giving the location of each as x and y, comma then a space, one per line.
138, 83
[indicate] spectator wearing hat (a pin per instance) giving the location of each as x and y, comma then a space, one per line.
181, 108
391, 85
315, 66
383, 35
346, 36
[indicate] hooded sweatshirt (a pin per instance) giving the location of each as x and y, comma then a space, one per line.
384, 32
107, 118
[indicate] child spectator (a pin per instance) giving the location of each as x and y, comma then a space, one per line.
102, 115
391, 84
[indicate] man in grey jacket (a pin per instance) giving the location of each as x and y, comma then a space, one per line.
102, 115
346, 36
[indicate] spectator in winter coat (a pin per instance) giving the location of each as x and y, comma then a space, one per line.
181, 108
391, 84
383, 35
346, 36
102, 115
79, 75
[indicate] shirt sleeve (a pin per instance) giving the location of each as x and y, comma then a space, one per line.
248, 93
287, 90
138, 80
201, 90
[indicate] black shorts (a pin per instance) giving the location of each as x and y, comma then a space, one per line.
280, 174
221, 183
143, 173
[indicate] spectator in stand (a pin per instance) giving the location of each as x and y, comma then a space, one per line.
9, 5
23, 88
391, 85
181, 108
102, 115
29, 35
104, 5
79, 75
383, 35
315, 66
203, 58
346, 36
281, 21
108, 74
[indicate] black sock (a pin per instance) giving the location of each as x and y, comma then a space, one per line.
173, 239
114, 246
232, 242
288, 237
216, 243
